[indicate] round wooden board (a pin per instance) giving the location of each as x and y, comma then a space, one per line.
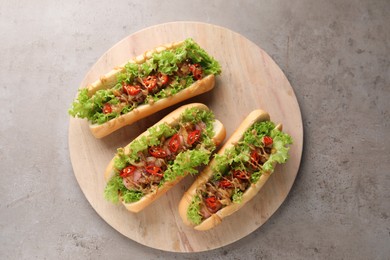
250, 80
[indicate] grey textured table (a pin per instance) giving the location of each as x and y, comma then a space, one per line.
336, 55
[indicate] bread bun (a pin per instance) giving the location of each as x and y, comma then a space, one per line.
145, 107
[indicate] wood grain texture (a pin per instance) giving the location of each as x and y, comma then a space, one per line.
250, 80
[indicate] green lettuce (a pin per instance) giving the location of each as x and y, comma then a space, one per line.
167, 61
130, 73
280, 142
193, 210
130, 196
255, 176
121, 160
195, 115
237, 196
115, 187
186, 163
255, 134
234, 157
111, 192
177, 84
199, 55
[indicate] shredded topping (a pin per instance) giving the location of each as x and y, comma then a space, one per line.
233, 182
154, 161
135, 92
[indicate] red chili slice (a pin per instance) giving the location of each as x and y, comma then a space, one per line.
131, 90
174, 143
150, 82
196, 70
157, 152
154, 170
127, 171
267, 140
225, 184
162, 78
107, 109
240, 174
212, 203
255, 157
193, 137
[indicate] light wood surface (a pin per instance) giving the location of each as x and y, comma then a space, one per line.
250, 80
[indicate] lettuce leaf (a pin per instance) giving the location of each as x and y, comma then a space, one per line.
121, 159
237, 196
155, 133
234, 157
116, 188
111, 192
280, 144
129, 196
255, 134
177, 84
193, 211
255, 176
167, 61
128, 75
91, 107
147, 67
186, 163
82, 106
199, 55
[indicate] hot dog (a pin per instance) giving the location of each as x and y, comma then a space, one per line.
151, 82
236, 173
159, 158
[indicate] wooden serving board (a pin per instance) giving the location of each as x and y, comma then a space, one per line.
250, 80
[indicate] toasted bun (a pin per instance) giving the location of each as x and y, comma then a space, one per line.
171, 119
110, 79
215, 219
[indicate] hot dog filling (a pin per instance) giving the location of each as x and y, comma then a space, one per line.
238, 168
163, 75
165, 154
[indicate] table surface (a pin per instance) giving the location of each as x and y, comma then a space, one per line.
334, 53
